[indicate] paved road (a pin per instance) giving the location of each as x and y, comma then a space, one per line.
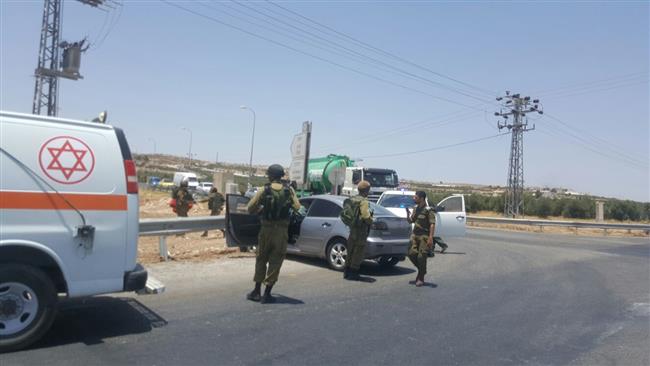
496, 298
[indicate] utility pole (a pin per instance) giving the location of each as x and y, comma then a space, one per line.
50, 67
516, 106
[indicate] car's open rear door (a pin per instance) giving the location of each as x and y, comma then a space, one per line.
242, 228
451, 221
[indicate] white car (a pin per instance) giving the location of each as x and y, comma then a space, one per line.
397, 202
204, 187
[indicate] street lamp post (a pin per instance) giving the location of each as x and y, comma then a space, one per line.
189, 154
154, 144
250, 162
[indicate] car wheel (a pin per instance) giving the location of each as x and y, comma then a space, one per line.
337, 253
387, 261
27, 305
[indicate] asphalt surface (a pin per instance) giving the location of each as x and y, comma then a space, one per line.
495, 298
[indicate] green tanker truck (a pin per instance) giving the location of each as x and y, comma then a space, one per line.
327, 174
337, 174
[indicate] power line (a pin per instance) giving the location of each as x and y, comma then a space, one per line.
435, 148
114, 22
598, 89
359, 54
587, 147
546, 92
312, 55
597, 143
381, 51
404, 131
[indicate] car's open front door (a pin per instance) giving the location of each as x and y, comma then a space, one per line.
242, 228
450, 222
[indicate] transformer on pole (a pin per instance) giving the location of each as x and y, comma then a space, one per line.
516, 106
50, 67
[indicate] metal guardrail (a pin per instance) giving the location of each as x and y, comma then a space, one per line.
178, 225
570, 224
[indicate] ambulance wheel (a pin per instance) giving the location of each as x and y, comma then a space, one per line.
27, 305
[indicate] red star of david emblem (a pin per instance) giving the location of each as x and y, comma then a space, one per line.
66, 148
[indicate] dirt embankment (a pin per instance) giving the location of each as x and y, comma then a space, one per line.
189, 247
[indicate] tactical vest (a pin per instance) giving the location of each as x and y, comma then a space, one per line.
422, 222
276, 203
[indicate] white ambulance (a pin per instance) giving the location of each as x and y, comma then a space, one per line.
68, 222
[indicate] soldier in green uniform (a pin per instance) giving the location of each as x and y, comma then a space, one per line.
273, 203
215, 204
184, 199
358, 233
422, 238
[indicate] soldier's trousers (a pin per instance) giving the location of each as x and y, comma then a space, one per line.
438, 240
271, 251
356, 248
418, 252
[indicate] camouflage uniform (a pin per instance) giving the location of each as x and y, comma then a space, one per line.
358, 235
423, 217
273, 236
183, 200
215, 203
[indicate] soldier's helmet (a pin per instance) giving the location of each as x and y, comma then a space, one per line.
364, 185
275, 171
184, 182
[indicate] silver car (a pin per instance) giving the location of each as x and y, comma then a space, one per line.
322, 234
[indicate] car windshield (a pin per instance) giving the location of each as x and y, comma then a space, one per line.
379, 211
397, 200
380, 179
191, 179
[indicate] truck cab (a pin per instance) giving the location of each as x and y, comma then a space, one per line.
380, 180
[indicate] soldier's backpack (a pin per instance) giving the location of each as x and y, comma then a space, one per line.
276, 203
350, 212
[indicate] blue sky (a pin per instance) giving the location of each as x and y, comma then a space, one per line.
161, 68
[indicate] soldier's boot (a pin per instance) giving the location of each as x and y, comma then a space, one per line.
267, 298
255, 294
205, 233
420, 280
353, 275
443, 249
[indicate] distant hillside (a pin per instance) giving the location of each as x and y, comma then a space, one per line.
538, 201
